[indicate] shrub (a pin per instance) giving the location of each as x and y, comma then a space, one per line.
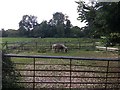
9, 73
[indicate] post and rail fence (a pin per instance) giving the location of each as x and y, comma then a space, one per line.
66, 72
33, 45
41, 47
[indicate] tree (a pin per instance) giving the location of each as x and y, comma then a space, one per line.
36, 31
44, 29
27, 23
102, 17
12, 33
58, 18
52, 29
3, 33
68, 26
108, 17
76, 32
87, 14
58, 21
22, 31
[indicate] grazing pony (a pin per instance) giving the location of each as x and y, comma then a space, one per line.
59, 47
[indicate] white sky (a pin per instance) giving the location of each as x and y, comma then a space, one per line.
11, 11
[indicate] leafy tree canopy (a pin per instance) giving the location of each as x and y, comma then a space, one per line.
103, 18
27, 23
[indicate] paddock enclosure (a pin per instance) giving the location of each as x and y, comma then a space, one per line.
28, 46
44, 45
60, 72
88, 69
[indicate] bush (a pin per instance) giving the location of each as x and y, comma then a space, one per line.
9, 73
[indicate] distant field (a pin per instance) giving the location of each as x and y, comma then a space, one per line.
17, 39
9, 39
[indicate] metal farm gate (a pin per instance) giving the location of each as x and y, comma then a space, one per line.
63, 72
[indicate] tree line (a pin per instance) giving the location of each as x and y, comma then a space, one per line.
58, 26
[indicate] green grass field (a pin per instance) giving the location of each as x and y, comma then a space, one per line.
10, 39
17, 39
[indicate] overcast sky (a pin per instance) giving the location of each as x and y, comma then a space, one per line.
11, 11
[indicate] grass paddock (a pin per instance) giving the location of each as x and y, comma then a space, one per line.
63, 64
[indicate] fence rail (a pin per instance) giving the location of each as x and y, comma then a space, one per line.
68, 72
22, 46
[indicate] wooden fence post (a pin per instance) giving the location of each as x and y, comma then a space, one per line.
6, 44
79, 45
94, 45
36, 45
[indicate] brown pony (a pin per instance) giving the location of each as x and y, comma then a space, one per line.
59, 47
